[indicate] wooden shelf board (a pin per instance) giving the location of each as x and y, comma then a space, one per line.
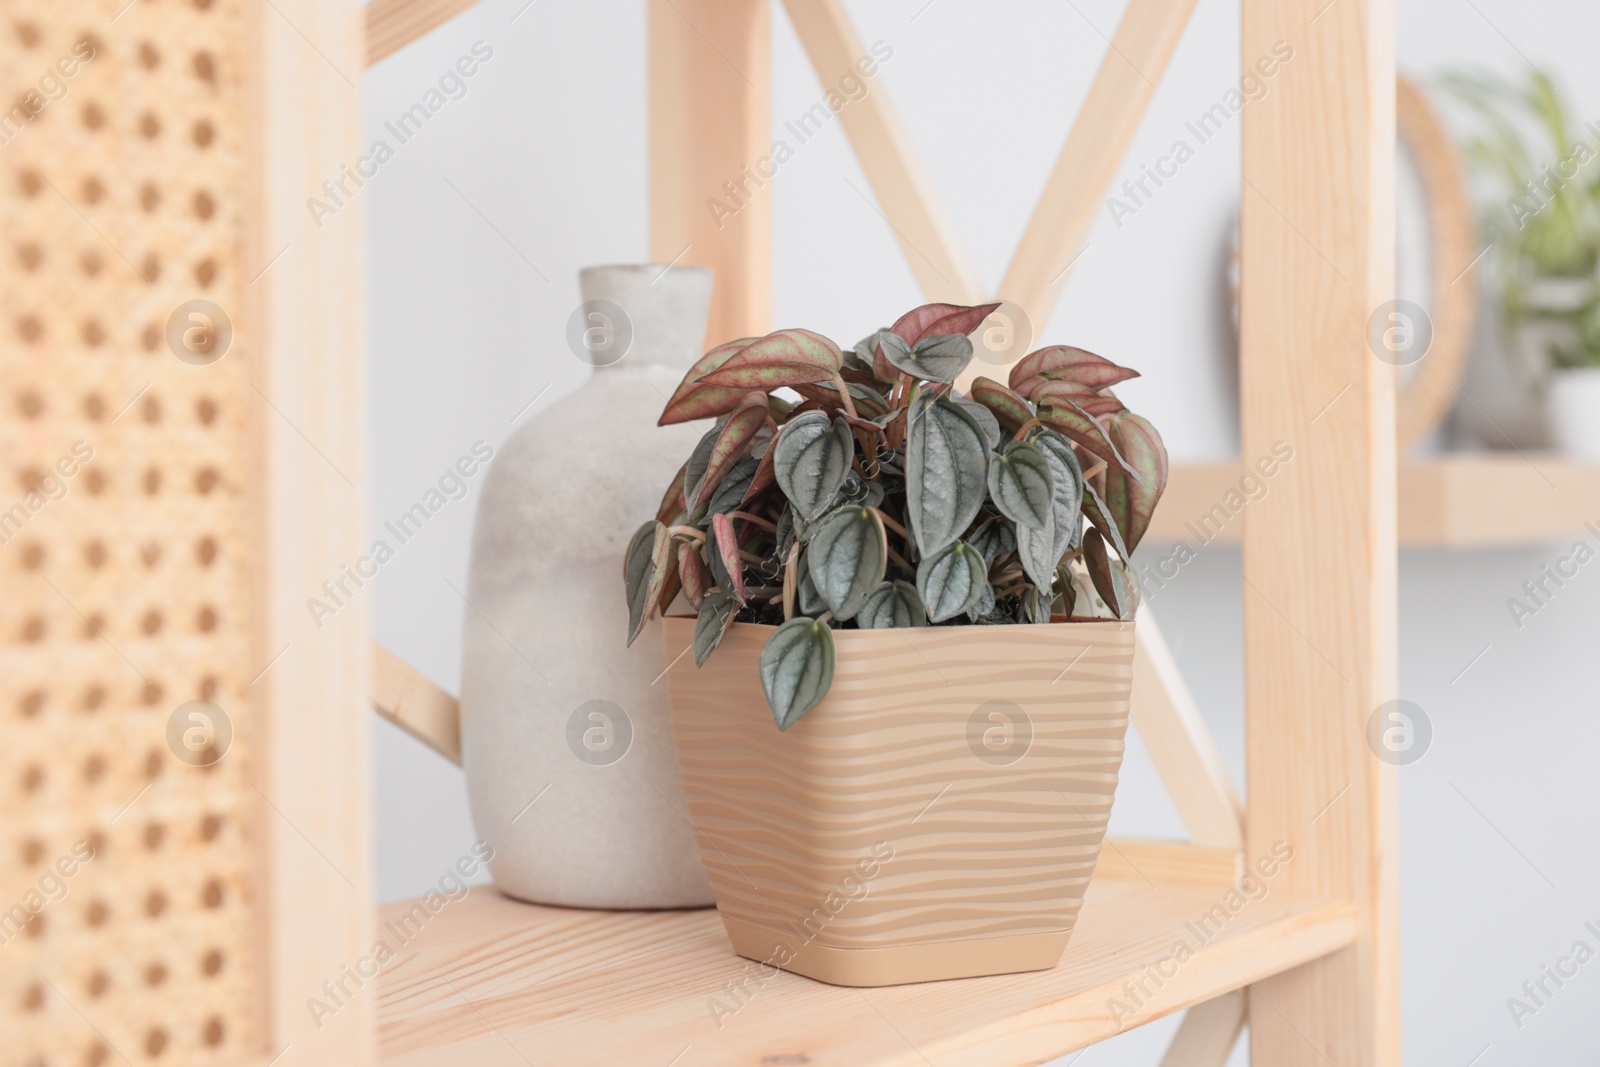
496, 983
1476, 500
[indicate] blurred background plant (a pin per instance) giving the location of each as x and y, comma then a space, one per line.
1532, 166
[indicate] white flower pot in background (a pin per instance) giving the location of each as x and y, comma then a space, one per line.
565, 735
1575, 413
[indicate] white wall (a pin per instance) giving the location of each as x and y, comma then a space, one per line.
1498, 870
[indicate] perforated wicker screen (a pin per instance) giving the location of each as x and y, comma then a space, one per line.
124, 516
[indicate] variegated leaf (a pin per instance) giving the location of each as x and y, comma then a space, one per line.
1063, 363
846, 557
1008, 407
693, 574
812, 456
644, 573
691, 400
1132, 503
951, 580
796, 668
893, 605
726, 565
1021, 486
947, 466
787, 357
930, 320
1082, 429
733, 441
716, 615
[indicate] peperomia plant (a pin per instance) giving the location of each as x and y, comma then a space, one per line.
874, 495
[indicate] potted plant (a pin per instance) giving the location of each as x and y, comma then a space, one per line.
1542, 215
900, 760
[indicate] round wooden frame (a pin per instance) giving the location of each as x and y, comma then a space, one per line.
1425, 400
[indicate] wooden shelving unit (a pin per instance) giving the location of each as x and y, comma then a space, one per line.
495, 983
1471, 500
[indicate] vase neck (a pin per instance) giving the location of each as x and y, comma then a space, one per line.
659, 310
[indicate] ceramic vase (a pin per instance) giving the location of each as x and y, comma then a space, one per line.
565, 737
938, 815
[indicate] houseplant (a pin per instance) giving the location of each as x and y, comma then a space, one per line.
898, 767
1541, 189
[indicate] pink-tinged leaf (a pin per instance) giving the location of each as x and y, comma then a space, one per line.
932, 320
868, 401
671, 586
882, 369
1132, 503
1083, 430
788, 357
765, 475
672, 503
692, 572
1095, 402
726, 545
1062, 363
1110, 576
1008, 407
692, 400
644, 574
733, 444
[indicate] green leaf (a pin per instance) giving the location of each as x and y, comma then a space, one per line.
807, 600
932, 359
725, 562
1062, 363
893, 605
692, 400
986, 419
846, 557
1036, 604
787, 357
733, 442
644, 573
951, 581
734, 488
811, 458
1036, 549
716, 615
1132, 503
1021, 487
797, 668
947, 462
994, 538
1008, 407
693, 574
699, 460
1066, 479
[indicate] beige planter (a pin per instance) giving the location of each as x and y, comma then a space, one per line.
937, 816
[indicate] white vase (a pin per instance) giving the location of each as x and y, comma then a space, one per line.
565, 736
1575, 413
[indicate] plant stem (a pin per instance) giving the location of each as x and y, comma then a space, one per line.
789, 581
687, 531
844, 396
895, 526
746, 516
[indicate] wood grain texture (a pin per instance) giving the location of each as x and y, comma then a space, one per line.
968, 841
393, 24
905, 195
1317, 228
1134, 859
306, 312
495, 983
1122, 88
710, 126
1208, 1033
1477, 500
1181, 746
406, 697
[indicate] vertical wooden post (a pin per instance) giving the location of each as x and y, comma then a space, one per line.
1319, 551
710, 131
304, 316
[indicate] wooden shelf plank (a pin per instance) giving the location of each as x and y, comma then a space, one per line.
492, 982
1467, 501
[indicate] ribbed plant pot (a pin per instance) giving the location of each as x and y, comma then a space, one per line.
937, 816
